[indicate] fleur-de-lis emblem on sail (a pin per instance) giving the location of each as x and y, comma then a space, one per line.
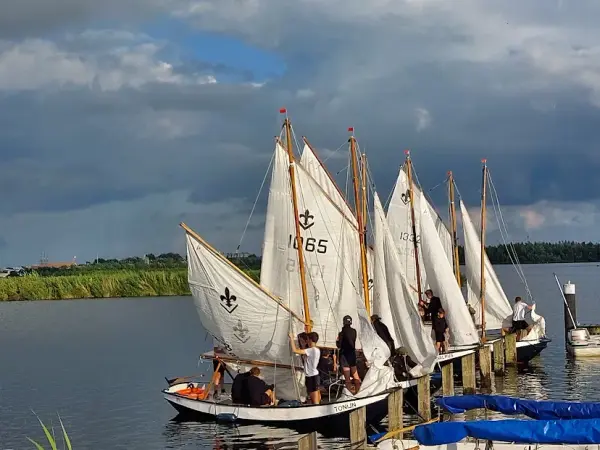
228, 301
306, 220
405, 197
241, 332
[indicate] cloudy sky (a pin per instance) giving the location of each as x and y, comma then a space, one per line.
121, 118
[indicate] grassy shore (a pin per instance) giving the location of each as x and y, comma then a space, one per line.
99, 284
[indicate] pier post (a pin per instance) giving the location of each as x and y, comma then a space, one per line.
448, 380
395, 411
308, 442
499, 356
485, 366
569, 291
510, 349
358, 428
424, 397
468, 373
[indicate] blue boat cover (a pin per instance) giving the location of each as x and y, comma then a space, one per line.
546, 410
579, 431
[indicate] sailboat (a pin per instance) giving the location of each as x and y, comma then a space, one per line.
492, 311
427, 254
388, 291
403, 221
312, 257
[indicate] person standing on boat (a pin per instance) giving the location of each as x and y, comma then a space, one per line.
434, 304
440, 329
346, 342
520, 309
311, 356
219, 371
384, 333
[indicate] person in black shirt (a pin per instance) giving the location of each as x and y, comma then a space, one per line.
440, 328
434, 304
259, 392
384, 333
239, 389
346, 342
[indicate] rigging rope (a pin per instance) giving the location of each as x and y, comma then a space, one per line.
511, 250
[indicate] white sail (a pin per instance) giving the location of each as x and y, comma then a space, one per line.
392, 297
400, 222
331, 252
443, 283
498, 312
313, 166
248, 323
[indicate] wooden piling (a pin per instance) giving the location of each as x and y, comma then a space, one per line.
358, 430
308, 442
499, 356
468, 373
485, 366
395, 410
424, 397
448, 380
510, 349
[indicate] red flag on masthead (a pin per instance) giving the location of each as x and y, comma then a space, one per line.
351, 129
282, 111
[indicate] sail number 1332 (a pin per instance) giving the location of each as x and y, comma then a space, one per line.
309, 244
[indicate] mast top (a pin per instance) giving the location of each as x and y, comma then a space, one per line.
449, 173
484, 161
282, 111
351, 130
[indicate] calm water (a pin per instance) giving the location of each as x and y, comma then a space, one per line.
100, 365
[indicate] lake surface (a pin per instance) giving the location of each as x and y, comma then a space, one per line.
101, 364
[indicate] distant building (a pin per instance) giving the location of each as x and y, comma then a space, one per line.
54, 265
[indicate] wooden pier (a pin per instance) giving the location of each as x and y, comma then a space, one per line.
504, 353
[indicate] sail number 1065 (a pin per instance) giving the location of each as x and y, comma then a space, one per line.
309, 244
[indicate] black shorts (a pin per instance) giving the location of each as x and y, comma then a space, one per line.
519, 325
440, 337
221, 368
348, 360
312, 383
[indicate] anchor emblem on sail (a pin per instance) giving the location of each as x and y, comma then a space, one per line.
228, 300
241, 332
405, 197
305, 220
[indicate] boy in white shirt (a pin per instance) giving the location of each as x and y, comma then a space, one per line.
520, 309
311, 355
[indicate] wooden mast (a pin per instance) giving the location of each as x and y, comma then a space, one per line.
299, 242
360, 220
365, 208
453, 227
412, 217
482, 239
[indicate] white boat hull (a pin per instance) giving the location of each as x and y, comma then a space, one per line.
581, 343
395, 444
235, 412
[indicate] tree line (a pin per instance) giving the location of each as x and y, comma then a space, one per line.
527, 253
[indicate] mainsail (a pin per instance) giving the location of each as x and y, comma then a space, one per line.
400, 222
331, 250
392, 297
443, 282
498, 313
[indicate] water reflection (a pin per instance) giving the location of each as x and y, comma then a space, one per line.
580, 379
211, 435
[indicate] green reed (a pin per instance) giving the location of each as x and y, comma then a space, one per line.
100, 284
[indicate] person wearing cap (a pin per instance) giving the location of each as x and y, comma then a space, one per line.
346, 342
384, 333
